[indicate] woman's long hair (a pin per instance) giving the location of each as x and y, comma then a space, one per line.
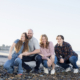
47, 42
20, 43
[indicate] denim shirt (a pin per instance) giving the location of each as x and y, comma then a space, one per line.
15, 55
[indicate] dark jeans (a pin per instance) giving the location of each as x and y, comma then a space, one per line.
36, 58
72, 60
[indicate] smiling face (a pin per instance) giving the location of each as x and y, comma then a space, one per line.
23, 37
43, 40
59, 40
30, 34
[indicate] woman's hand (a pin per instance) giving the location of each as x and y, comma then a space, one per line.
10, 57
49, 62
20, 56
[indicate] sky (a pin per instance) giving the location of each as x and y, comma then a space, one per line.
50, 17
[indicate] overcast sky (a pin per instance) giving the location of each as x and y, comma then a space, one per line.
51, 17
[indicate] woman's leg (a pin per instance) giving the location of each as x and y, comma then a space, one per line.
44, 62
9, 66
52, 58
18, 62
73, 60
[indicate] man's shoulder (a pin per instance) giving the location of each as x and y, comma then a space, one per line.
34, 39
66, 43
56, 45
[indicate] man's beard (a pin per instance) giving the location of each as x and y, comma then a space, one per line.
30, 37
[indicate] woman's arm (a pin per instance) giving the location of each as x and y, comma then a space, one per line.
10, 51
51, 49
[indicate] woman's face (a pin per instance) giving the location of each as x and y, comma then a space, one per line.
59, 40
23, 37
43, 40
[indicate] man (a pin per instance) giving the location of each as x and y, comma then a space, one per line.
65, 55
32, 55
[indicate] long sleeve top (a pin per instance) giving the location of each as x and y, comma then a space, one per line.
65, 51
47, 51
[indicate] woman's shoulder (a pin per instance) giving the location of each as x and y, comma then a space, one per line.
50, 43
16, 40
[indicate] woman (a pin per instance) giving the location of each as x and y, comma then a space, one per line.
13, 59
47, 53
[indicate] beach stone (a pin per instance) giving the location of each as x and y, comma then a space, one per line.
41, 75
59, 75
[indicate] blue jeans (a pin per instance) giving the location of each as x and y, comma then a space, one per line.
72, 60
9, 65
44, 62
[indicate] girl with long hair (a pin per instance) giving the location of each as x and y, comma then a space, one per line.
21, 45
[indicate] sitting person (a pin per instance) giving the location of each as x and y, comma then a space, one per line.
47, 53
32, 55
65, 55
13, 59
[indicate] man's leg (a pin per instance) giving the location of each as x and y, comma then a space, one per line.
38, 60
63, 65
73, 60
26, 59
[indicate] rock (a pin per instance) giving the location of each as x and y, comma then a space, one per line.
41, 75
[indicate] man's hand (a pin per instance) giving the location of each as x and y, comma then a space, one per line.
41, 55
61, 60
10, 57
20, 56
25, 54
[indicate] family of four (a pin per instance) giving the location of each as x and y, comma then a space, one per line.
28, 49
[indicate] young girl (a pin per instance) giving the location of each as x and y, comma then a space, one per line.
47, 53
13, 59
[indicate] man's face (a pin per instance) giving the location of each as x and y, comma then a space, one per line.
59, 40
30, 34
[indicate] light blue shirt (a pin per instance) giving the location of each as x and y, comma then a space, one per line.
20, 51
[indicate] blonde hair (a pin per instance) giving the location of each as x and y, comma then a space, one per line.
47, 42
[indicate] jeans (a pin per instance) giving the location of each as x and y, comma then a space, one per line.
72, 60
44, 62
36, 58
15, 61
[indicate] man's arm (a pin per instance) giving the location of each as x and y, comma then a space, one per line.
36, 47
69, 52
37, 51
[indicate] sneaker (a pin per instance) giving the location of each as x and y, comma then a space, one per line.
75, 71
68, 69
53, 71
46, 70
35, 71
29, 70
